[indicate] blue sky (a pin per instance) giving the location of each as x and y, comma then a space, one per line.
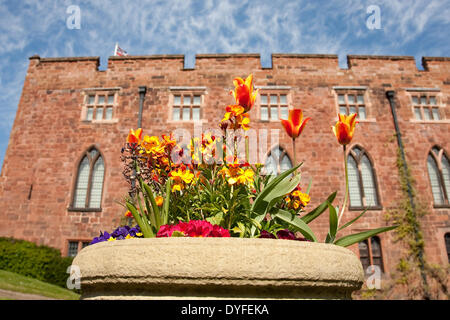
27, 27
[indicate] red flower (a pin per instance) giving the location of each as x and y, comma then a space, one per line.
344, 128
193, 228
295, 123
243, 93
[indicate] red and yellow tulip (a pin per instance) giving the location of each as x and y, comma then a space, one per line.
344, 128
243, 92
295, 123
134, 137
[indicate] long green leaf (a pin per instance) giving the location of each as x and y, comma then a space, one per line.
358, 237
166, 203
350, 222
155, 208
333, 222
145, 227
271, 185
295, 221
319, 209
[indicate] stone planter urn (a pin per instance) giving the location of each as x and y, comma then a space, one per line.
217, 268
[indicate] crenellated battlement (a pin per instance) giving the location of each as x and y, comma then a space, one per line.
221, 61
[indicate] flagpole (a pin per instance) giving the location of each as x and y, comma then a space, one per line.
115, 49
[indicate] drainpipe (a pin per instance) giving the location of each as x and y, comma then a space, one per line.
142, 90
391, 96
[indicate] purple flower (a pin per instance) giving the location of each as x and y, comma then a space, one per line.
286, 234
266, 234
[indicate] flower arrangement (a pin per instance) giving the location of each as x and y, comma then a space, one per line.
208, 188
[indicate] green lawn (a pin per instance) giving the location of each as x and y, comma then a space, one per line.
19, 283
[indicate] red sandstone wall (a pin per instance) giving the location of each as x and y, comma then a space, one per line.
48, 138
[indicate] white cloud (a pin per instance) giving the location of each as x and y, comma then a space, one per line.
195, 26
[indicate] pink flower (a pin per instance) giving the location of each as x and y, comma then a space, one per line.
193, 228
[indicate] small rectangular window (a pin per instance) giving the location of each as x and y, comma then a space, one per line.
187, 106
110, 99
99, 114
284, 113
274, 113
360, 99
108, 115
186, 100
423, 100
351, 98
73, 248
351, 101
273, 106
426, 107
433, 101
362, 112
264, 113
186, 114
417, 113
436, 114
273, 99
426, 113
89, 114
176, 113
263, 99
100, 106
195, 114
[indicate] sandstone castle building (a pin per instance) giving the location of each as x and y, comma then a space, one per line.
61, 179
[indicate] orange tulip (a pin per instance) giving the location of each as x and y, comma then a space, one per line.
243, 92
159, 201
134, 137
295, 123
344, 128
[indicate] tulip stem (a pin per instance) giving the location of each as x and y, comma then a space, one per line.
293, 150
346, 184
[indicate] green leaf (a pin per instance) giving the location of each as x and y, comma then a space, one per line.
333, 222
155, 208
257, 219
145, 227
296, 222
358, 237
272, 185
166, 204
350, 222
319, 209
284, 187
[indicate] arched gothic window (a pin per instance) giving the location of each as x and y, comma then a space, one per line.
363, 192
89, 184
439, 172
277, 161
